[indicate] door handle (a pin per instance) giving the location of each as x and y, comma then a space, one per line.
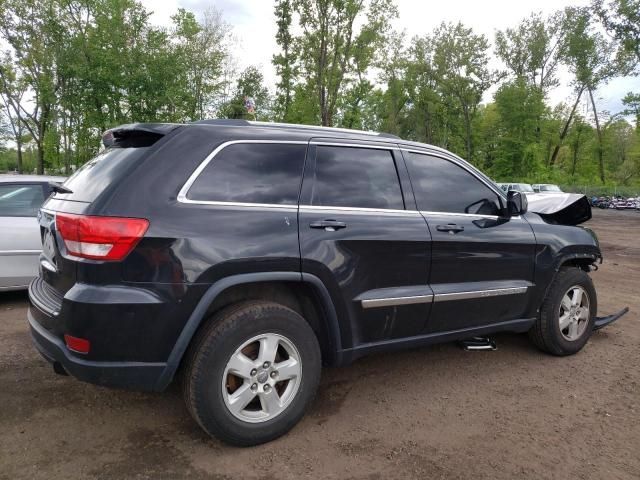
450, 227
328, 225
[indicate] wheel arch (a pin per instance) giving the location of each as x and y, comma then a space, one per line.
581, 260
288, 288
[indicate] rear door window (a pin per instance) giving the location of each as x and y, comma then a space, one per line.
267, 173
22, 200
357, 178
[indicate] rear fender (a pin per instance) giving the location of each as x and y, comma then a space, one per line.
200, 312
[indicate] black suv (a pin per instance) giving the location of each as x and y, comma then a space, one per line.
240, 257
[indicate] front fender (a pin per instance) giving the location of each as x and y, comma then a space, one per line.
556, 246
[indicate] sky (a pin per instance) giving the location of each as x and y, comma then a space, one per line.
254, 28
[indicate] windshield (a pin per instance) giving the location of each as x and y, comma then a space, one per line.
550, 188
523, 187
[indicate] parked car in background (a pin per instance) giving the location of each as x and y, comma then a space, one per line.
625, 203
546, 188
20, 244
516, 187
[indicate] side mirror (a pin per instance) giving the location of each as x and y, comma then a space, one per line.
516, 203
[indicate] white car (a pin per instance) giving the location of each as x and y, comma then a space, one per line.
546, 188
20, 199
518, 187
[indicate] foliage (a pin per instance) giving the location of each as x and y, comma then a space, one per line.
75, 68
331, 55
532, 50
70, 69
250, 84
622, 19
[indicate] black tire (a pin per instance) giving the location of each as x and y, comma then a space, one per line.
213, 347
545, 333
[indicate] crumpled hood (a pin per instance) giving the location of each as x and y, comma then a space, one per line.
560, 208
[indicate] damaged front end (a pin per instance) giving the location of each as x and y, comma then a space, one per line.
602, 322
560, 208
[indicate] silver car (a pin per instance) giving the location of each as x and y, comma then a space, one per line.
20, 199
546, 188
518, 187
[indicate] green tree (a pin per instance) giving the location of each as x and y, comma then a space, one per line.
632, 103
29, 27
336, 43
578, 137
250, 84
460, 60
531, 50
284, 61
519, 105
12, 92
201, 50
622, 19
589, 56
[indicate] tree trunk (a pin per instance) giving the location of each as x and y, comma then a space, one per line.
576, 150
467, 126
19, 154
40, 166
599, 131
563, 134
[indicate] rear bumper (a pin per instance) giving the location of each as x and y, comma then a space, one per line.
129, 375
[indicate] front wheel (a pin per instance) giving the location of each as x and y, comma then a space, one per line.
567, 315
252, 372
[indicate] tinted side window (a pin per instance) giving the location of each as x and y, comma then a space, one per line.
252, 173
20, 200
443, 186
356, 177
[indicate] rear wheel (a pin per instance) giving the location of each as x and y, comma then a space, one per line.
252, 372
567, 315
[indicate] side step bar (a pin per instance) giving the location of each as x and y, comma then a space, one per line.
602, 322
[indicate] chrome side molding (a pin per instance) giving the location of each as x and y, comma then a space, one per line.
445, 297
396, 301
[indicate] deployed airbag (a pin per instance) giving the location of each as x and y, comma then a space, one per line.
560, 208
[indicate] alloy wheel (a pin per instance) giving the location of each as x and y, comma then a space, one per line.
261, 378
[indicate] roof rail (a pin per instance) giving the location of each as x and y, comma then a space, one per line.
241, 122
223, 121
317, 127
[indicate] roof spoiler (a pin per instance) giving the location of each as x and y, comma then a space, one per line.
136, 134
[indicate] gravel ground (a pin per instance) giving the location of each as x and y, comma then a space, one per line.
435, 412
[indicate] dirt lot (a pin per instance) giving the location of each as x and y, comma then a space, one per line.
430, 413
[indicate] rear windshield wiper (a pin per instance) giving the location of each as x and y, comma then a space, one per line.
59, 188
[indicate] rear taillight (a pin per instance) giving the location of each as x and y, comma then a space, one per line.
100, 238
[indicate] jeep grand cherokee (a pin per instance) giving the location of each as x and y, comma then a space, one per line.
239, 257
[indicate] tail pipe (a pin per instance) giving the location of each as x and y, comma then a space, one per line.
602, 322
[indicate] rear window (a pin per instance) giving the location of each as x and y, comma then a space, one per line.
252, 173
20, 200
97, 174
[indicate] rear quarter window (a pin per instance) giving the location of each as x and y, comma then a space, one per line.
268, 173
109, 166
